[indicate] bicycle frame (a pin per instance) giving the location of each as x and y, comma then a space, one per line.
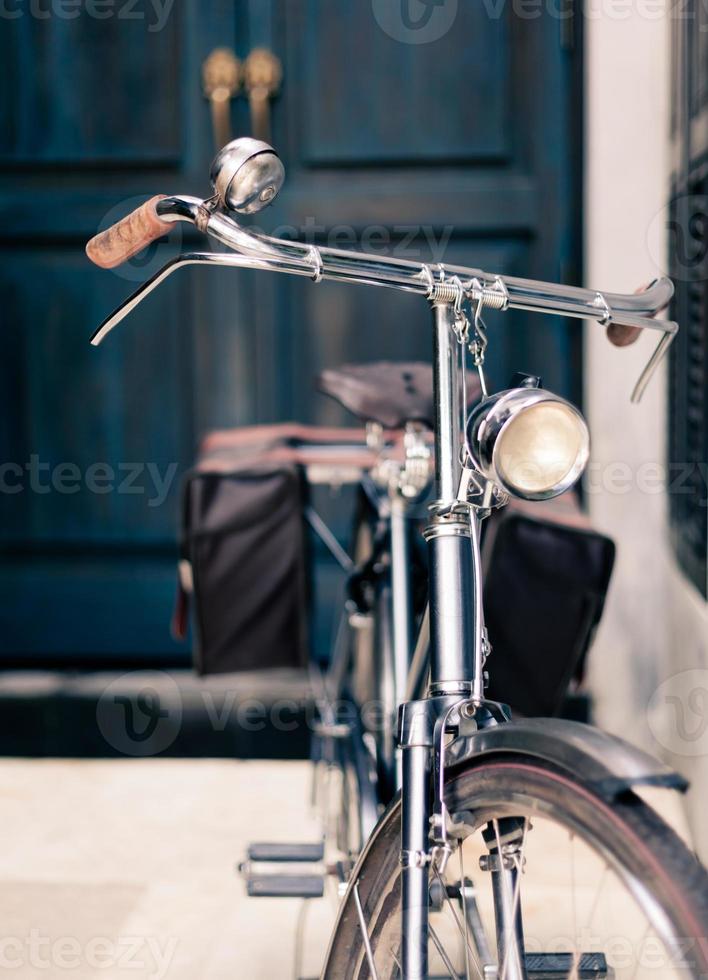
452, 535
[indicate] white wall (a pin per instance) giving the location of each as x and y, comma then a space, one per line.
655, 624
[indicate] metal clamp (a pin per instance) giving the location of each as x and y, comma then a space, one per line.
441, 849
463, 718
316, 257
496, 297
601, 303
426, 723
480, 340
414, 859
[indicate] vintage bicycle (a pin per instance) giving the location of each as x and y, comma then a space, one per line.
515, 848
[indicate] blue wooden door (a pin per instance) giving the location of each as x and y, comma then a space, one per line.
439, 131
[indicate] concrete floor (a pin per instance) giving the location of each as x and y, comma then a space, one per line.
125, 869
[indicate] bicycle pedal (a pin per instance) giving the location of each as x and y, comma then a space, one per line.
554, 966
287, 853
285, 886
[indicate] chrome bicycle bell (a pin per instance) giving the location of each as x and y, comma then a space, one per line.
247, 175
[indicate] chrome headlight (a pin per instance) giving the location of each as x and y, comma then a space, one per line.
530, 442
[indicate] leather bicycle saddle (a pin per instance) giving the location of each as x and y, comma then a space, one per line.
388, 392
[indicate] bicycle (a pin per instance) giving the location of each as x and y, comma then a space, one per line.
475, 784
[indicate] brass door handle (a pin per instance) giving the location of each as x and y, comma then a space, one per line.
262, 75
221, 80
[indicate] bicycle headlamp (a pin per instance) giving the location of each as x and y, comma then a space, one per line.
530, 442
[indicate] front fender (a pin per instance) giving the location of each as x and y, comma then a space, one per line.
606, 762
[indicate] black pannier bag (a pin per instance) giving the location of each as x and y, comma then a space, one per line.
244, 551
546, 577
244, 548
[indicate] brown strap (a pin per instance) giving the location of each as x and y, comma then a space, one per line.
125, 239
622, 336
260, 435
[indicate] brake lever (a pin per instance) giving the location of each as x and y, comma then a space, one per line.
655, 360
189, 258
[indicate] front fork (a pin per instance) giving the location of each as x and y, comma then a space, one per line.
424, 729
415, 884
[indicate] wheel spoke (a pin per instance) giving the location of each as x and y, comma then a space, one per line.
473, 919
646, 932
299, 940
463, 893
573, 975
577, 954
462, 929
396, 960
443, 955
510, 936
365, 933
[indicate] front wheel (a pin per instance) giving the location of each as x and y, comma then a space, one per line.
599, 888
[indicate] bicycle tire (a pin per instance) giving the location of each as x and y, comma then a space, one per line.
633, 839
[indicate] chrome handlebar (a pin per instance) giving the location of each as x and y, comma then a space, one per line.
451, 283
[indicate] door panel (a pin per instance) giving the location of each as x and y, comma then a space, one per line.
69, 96
457, 150
80, 408
98, 115
447, 110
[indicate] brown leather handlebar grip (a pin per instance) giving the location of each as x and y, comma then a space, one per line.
622, 336
129, 236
